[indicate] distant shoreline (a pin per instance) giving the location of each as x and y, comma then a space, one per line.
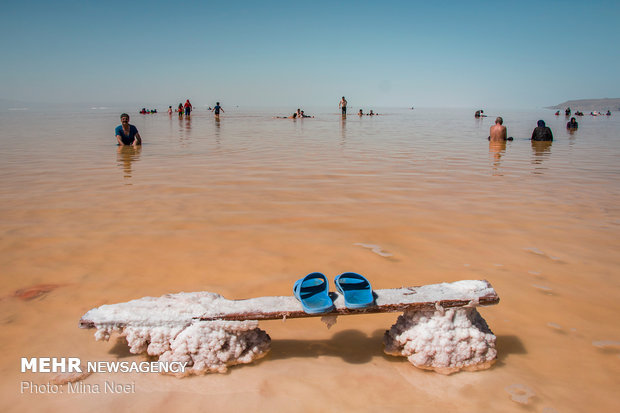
588, 105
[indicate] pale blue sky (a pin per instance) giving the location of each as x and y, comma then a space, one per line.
518, 54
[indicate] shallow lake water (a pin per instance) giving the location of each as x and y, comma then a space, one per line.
247, 205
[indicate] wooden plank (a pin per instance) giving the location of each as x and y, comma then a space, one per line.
387, 301
185, 308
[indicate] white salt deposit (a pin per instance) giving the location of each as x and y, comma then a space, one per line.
446, 342
520, 393
212, 346
542, 287
374, 248
175, 327
206, 346
167, 327
606, 343
64, 378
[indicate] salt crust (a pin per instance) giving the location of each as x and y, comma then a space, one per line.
165, 327
206, 346
179, 309
168, 327
444, 341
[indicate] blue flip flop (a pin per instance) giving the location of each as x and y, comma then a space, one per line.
356, 290
311, 291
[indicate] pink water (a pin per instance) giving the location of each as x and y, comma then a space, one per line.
246, 206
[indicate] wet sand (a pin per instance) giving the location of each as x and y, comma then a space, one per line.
246, 206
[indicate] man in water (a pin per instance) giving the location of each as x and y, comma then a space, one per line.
127, 134
497, 133
216, 109
188, 108
479, 113
343, 105
542, 132
572, 124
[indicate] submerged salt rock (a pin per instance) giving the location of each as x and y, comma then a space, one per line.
64, 378
206, 346
520, 393
445, 341
212, 346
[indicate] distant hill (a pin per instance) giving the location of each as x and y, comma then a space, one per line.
588, 105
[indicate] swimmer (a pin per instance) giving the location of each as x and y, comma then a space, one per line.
216, 109
180, 110
371, 113
567, 111
608, 113
542, 132
360, 113
127, 134
303, 115
557, 113
479, 113
572, 125
299, 113
169, 110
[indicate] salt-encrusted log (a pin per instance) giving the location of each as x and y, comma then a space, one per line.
180, 309
445, 341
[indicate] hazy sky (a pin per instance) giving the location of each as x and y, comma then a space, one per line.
517, 54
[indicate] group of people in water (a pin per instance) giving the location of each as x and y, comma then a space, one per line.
567, 112
187, 108
298, 114
541, 132
498, 132
127, 134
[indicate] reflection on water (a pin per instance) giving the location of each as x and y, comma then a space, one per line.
541, 150
125, 156
497, 150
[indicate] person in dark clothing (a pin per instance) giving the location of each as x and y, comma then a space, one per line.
542, 132
572, 124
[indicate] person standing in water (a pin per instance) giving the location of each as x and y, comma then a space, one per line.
343, 105
188, 108
216, 109
127, 134
180, 110
572, 124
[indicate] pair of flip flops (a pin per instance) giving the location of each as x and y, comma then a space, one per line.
312, 291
